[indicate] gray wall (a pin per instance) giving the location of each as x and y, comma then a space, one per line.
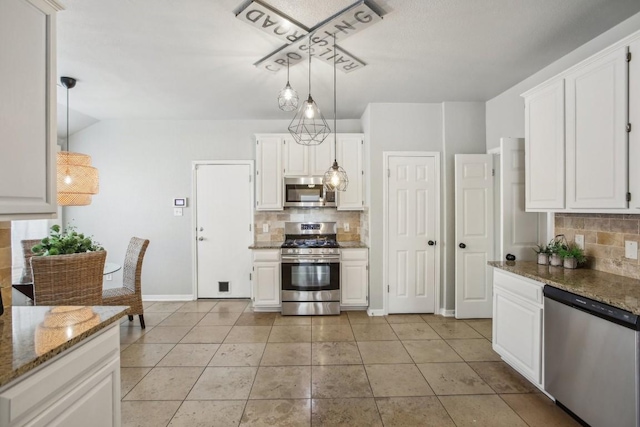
143, 165
505, 112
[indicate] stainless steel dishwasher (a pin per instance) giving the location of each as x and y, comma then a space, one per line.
591, 359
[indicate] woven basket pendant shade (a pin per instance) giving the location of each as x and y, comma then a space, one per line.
77, 179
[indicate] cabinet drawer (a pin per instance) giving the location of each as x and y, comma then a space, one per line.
266, 255
528, 289
354, 254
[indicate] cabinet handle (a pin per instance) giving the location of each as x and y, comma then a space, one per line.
511, 257
431, 243
462, 246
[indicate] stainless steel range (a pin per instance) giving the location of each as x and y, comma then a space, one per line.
310, 269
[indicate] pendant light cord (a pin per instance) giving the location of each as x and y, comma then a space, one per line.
335, 104
287, 69
67, 119
309, 50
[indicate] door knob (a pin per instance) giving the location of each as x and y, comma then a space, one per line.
511, 257
201, 238
431, 243
462, 246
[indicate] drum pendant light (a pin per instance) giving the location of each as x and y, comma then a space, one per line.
77, 179
288, 98
308, 126
335, 178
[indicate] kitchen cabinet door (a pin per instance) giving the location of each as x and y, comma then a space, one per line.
266, 285
596, 134
268, 173
350, 155
634, 135
544, 148
28, 109
354, 278
296, 158
321, 157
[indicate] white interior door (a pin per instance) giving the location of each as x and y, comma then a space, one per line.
518, 229
412, 201
474, 234
224, 230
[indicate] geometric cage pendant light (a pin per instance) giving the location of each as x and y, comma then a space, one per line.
77, 180
288, 98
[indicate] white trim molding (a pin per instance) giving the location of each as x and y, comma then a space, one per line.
184, 297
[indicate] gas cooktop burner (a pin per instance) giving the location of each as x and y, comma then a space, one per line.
311, 243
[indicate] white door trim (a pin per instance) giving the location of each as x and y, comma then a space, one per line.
194, 212
385, 217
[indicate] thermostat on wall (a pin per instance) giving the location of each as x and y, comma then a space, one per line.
180, 202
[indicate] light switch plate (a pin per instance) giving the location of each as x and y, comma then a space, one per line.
108, 277
346, 226
579, 239
265, 228
177, 211
630, 249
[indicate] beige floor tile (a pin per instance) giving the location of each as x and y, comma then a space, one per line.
238, 355
345, 412
123, 346
147, 304
129, 377
223, 383
292, 320
397, 380
502, 378
414, 331
383, 352
436, 318
256, 319
482, 326
332, 333
230, 306
144, 355
427, 351
208, 413
453, 378
361, 317
342, 319
182, 319
290, 334
404, 318
538, 410
190, 355
481, 411
248, 334
165, 384
454, 330
129, 335
282, 382
198, 306
262, 413
335, 353
340, 382
413, 411
164, 335
164, 306
151, 318
148, 414
286, 354
373, 332
223, 318
206, 335
474, 350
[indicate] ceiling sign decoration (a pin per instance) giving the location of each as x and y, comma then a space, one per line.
345, 23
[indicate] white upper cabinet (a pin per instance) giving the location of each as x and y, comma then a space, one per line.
321, 157
295, 157
544, 147
596, 144
28, 109
350, 155
268, 172
634, 119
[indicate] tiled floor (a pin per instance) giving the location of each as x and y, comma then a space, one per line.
210, 363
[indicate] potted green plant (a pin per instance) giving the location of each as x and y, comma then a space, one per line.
543, 252
556, 245
65, 242
572, 255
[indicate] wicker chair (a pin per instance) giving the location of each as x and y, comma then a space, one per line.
131, 291
74, 279
26, 252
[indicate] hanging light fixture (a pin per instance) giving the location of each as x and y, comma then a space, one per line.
308, 126
288, 98
335, 178
77, 179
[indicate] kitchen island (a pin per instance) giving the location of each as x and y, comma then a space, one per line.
60, 365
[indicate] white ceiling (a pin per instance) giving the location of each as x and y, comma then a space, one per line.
192, 59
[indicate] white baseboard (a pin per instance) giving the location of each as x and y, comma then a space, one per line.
376, 312
186, 297
447, 313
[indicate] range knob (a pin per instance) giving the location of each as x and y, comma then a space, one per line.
289, 251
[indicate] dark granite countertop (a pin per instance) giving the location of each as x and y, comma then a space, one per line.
32, 335
618, 291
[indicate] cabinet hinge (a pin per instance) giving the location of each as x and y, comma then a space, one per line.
257, 142
256, 203
249, 178
628, 197
628, 127
388, 173
363, 173
388, 288
249, 276
628, 56
249, 227
493, 172
257, 172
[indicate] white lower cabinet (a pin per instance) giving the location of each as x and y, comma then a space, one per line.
517, 323
79, 387
266, 279
354, 277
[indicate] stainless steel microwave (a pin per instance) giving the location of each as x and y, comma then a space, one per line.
307, 192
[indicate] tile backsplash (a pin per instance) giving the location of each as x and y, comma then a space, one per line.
604, 237
276, 221
5, 262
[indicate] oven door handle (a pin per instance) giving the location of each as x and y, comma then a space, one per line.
294, 260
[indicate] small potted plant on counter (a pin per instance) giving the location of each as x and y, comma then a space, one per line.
556, 245
572, 255
543, 252
69, 241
